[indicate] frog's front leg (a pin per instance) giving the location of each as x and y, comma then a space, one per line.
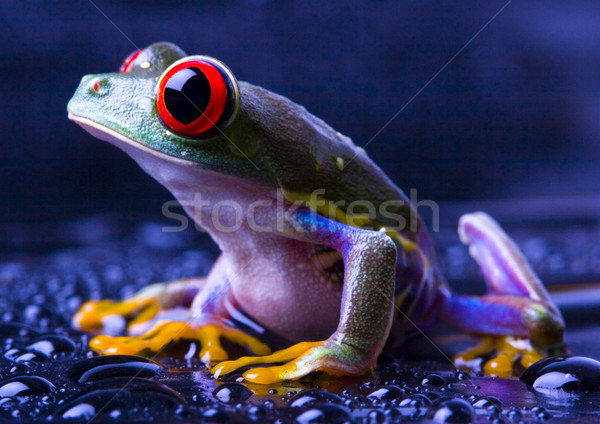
173, 318
518, 319
366, 308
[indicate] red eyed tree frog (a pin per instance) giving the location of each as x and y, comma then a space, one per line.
343, 264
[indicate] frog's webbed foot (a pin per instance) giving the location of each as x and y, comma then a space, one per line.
140, 312
503, 356
155, 340
143, 306
299, 360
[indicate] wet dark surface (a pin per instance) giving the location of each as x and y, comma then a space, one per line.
48, 374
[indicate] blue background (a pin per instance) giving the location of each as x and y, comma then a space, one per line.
516, 114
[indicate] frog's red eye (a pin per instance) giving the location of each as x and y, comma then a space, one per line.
127, 64
197, 96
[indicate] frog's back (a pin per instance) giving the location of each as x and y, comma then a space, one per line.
311, 158
314, 163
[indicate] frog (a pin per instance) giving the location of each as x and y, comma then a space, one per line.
319, 248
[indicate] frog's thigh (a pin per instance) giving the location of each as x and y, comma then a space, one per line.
505, 315
518, 303
517, 306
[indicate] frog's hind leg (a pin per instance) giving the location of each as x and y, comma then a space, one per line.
519, 320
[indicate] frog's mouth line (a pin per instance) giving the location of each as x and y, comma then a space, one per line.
105, 133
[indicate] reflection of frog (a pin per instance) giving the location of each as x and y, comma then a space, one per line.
347, 259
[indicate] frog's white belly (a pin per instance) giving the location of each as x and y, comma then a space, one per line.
282, 288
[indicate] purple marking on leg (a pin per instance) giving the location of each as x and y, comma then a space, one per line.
495, 315
326, 231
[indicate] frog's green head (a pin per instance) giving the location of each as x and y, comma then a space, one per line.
190, 110
162, 101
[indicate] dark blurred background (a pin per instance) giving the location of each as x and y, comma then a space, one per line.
515, 115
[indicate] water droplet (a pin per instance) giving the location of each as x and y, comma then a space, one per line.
47, 400
454, 411
545, 415
214, 415
52, 345
123, 394
376, 417
37, 315
513, 414
331, 414
19, 369
232, 393
433, 380
481, 403
490, 404
386, 393
24, 356
25, 385
83, 410
9, 403
256, 412
360, 401
103, 367
269, 404
312, 396
415, 401
574, 374
115, 414
368, 385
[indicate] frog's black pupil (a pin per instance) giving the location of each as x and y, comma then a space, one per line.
187, 94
